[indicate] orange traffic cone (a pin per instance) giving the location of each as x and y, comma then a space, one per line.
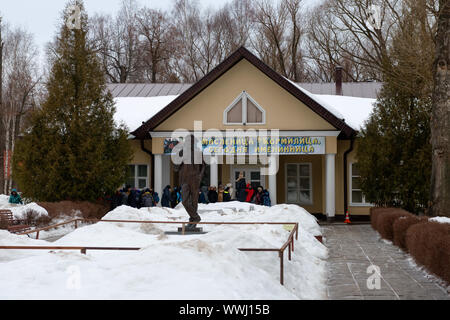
347, 218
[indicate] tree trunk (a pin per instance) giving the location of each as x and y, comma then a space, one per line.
440, 129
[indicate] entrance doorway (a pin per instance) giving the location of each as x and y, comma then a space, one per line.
252, 175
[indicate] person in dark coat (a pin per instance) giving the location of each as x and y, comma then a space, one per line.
174, 198
15, 197
155, 196
133, 198
226, 195
116, 200
165, 201
146, 199
241, 193
201, 197
212, 195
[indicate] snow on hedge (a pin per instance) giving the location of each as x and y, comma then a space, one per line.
440, 219
207, 266
20, 211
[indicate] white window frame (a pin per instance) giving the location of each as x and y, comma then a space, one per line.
137, 178
244, 96
298, 164
356, 204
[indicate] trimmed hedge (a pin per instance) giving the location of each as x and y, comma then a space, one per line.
72, 209
385, 221
429, 244
401, 225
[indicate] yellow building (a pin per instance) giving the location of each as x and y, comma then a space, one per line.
315, 146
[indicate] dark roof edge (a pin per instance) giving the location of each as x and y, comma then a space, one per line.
233, 59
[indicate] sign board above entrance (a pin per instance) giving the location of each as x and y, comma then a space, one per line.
257, 145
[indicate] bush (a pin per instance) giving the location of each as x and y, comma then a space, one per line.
385, 220
429, 244
400, 227
375, 212
34, 218
85, 209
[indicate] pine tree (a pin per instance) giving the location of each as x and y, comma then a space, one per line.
73, 149
394, 152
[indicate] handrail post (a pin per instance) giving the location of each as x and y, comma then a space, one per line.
183, 229
289, 251
37, 235
292, 240
83, 251
76, 223
281, 267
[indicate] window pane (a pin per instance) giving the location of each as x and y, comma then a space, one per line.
292, 182
304, 170
234, 115
355, 170
142, 171
356, 183
292, 170
357, 196
142, 183
305, 196
254, 115
304, 183
255, 175
292, 196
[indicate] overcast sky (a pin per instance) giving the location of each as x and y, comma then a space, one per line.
41, 17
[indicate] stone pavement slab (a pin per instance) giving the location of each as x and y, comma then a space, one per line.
355, 248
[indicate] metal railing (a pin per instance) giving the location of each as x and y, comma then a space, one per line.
289, 244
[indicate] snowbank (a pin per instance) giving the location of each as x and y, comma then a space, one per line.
440, 219
19, 211
207, 266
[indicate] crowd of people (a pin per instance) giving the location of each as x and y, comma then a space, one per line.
134, 198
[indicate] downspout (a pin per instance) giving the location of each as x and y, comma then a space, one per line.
352, 141
152, 179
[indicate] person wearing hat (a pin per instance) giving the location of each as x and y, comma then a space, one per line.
15, 197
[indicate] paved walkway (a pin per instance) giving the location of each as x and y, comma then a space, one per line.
352, 249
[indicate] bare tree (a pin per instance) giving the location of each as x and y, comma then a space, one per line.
440, 124
156, 45
20, 81
117, 42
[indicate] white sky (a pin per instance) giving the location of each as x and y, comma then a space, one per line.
41, 17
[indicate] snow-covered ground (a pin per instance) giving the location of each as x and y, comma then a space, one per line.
207, 266
19, 211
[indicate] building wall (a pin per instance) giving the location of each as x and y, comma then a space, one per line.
283, 111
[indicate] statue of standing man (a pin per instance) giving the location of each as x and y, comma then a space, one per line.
190, 177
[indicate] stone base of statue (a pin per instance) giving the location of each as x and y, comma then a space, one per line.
191, 229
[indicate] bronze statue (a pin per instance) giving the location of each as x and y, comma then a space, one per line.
190, 177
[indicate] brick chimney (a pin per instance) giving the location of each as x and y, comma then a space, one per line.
338, 77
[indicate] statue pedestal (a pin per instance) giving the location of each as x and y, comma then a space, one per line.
191, 230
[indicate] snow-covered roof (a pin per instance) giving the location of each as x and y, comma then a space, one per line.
133, 111
355, 111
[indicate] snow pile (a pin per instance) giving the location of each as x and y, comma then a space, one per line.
20, 211
440, 219
206, 266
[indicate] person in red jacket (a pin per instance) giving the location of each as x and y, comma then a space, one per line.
250, 193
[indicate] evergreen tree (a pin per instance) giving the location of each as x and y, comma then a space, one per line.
73, 149
394, 152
